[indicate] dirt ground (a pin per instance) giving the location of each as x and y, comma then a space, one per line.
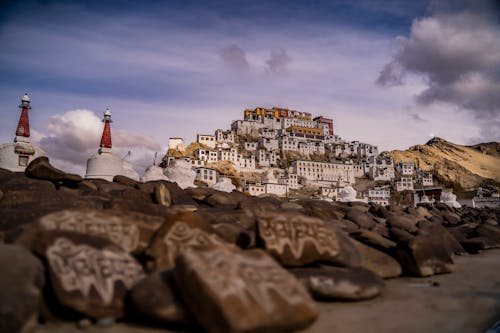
467, 300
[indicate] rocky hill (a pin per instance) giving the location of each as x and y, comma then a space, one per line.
460, 167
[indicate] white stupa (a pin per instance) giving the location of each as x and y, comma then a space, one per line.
450, 199
105, 164
17, 155
181, 172
348, 194
224, 184
154, 172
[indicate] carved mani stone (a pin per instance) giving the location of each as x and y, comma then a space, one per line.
230, 290
88, 274
296, 240
131, 231
181, 231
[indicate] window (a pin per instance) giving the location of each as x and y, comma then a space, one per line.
23, 160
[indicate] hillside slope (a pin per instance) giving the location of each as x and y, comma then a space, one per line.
460, 167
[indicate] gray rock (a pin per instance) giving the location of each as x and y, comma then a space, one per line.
179, 232
235, 234
405, 222
231, 290
296, 239
131, 231
451, 219
490, 232
154, 299
21, 283
335, 283
84, 323
451, 244
105, 322
425, 255
88, 274
378, 262
362, 219
373, 239
40, 168
126, 181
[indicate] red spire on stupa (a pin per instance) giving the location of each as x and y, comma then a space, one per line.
106, 133
23, 127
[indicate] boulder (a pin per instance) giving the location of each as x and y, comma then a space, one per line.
451, 219
322, 209
21, 284
399, 235
241, 218
451, 244
153, 299
235, 234
295, 240
424, 255
40, 168
88, 274
405, 222
131, 231
476, 244
335, 283
120, 179
362, 219
490, 232
181, 231
162, 195
373, 239
422, 212
219, 199
230, 290
378, 262
291, 206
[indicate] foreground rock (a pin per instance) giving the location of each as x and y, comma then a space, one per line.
40, 168
336, 283
88, 274
131, 231
424, 256
21, 283
181, 231
153, 300
242, 291
296, 240
378, 262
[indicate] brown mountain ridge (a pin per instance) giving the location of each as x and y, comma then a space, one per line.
463, 168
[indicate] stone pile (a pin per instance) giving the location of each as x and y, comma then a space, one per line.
200, 259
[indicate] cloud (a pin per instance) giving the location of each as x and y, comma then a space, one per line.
234, 57
278, 61
457, 52
72, 137
416, 117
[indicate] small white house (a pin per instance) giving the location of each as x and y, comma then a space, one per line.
206, 175
405, 183
207, 140
406, 168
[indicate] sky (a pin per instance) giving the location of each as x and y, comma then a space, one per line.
390, 73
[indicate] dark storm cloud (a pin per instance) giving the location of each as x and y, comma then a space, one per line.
278, 61
234, 56
457, 51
